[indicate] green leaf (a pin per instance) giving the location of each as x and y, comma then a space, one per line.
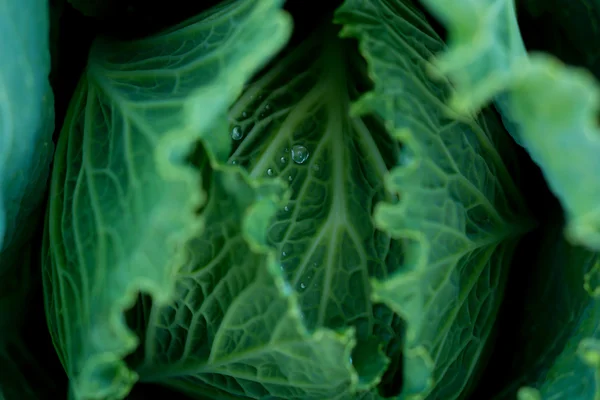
549, 108
235, 330
27, 123
293, 123
459, 213
124, 197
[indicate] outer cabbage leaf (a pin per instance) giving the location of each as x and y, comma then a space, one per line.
26, 127
459, 213
124, 198
26, 122
549, 108
551, 327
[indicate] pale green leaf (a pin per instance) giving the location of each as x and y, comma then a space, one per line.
124, 198
459, 213
549, 108
235, 330
293, 123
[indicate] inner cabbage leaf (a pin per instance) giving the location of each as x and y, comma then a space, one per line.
295, 125
235, 330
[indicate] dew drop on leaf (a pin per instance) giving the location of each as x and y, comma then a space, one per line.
299, 154
290, 178
236, 133
283, 160
244, 114
270, 171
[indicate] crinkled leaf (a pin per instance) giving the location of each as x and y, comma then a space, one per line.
124, 199
235, 330
549, 108
459, 213
293, 123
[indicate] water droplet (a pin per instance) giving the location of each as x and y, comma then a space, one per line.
350, 359
286, 208
234, 162
245, 114
283, 160
267, 107
270, 172
290, 178
302, 285
236, 133
299, 153
261, 115
283, 254
286, 150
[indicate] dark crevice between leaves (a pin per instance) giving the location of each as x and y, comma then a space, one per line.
71, 39
135, 19
392, 381
33, 353
545, 27
504, 340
